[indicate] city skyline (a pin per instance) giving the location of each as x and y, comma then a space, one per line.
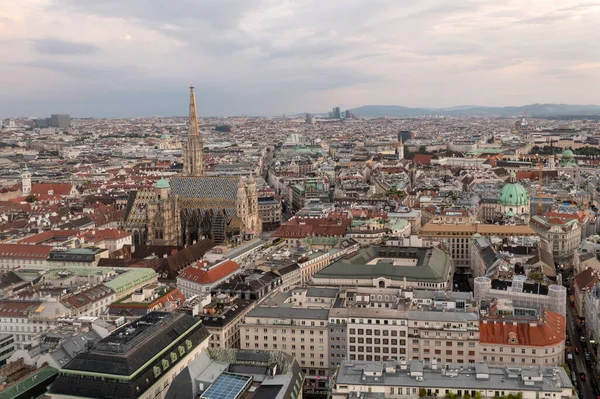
116, 59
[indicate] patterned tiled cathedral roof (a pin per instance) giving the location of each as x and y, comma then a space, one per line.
199, 194
205, 187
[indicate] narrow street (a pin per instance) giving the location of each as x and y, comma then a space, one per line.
585, 388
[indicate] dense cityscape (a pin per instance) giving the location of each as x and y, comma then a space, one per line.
303, 256
351, 199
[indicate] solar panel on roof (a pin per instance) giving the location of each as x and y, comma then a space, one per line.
228, 386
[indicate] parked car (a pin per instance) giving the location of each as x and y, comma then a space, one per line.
576, 350
582, 377
582, 338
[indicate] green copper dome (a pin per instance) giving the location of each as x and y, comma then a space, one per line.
568, 154
162, 183
513, 194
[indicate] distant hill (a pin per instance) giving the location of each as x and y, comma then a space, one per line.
542, 110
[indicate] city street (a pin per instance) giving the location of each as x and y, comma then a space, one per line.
585, 389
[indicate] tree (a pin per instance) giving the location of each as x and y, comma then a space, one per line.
422, 150
467, 395
520, 394
422, 392
477, 395
31, 198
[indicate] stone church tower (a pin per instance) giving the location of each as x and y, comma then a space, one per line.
26, 181
193, 159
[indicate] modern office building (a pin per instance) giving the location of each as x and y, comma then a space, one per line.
61, 121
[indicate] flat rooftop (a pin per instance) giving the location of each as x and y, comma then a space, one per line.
477, 377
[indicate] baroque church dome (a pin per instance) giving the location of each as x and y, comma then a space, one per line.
513, 194
568, 154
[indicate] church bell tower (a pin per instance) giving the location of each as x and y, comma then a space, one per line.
193, 161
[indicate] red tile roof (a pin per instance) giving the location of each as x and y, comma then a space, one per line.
501, 332
23, 251
174, 295
44, 188
104, 234
48, 236
89, 296
199, 274
586, 279
18, 308
422, 159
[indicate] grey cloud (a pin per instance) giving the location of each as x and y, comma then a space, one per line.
329, 46
454, 48
57, 46
84, 71
222, 14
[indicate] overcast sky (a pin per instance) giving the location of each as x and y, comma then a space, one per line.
254, 57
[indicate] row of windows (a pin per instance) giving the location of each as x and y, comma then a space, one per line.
524, 351
377, 341
378, 321
368, 331
523, 360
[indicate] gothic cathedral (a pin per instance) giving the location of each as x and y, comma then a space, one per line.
188, 208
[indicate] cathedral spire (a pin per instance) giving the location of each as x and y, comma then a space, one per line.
193, 161
193, 122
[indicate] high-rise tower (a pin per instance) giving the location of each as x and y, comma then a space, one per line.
193, 160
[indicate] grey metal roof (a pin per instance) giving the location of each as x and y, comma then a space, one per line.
442, 316
289, 313
554, 379
432, 265
322, 292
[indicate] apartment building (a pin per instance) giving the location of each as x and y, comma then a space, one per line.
90, 302
448, 337
269, 209
16, 256
457, 237
27, 320
300, 332
223, 322
537, 340
311, 263
200, 278
563, 235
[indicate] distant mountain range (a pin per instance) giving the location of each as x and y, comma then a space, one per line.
540, 110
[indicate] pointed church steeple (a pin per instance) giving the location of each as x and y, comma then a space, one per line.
193, 162
193, 118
